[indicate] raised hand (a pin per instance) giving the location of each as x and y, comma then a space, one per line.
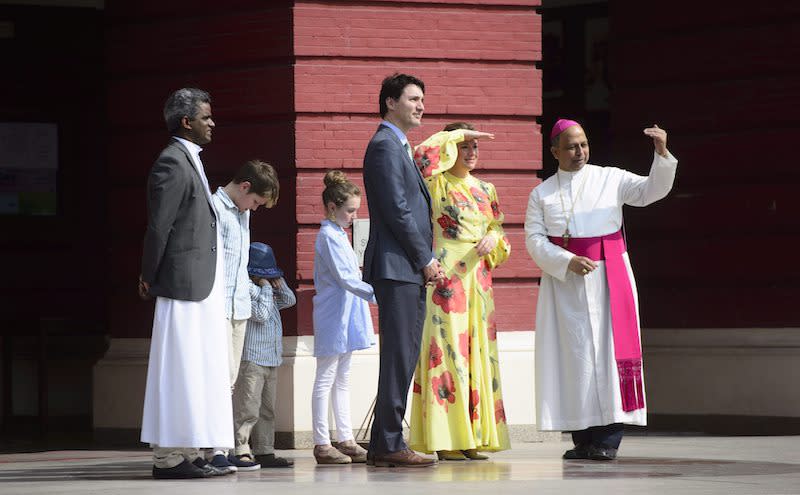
470, 135
659, 136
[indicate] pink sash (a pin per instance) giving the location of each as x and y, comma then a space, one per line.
625, 325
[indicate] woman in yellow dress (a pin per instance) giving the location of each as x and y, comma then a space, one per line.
457, 406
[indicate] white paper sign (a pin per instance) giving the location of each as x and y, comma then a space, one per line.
360, 238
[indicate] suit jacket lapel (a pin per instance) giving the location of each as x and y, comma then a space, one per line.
196, 170
410, 163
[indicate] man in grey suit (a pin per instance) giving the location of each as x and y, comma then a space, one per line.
398, 262
187, 400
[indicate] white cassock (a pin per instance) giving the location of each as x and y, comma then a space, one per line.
577, 383
187, 401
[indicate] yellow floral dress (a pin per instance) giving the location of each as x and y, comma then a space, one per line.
457, 400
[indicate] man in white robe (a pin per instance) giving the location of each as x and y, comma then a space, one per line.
579, 387
187, 402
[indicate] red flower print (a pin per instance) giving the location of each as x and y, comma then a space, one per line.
499, 412
449, 226
495, 209
449, 295
463, 344
474, 399
459, 200
482, 199
435, 354
491, 327
427, 159
417, 388
444, 389
484, 276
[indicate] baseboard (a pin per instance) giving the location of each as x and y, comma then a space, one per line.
721, 424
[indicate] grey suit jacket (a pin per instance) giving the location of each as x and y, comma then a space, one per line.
400, 230
180, 243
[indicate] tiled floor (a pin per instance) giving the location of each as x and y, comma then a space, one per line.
647, 465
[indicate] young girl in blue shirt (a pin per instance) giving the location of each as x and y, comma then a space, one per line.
342, 321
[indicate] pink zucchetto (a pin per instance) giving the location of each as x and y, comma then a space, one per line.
560, 126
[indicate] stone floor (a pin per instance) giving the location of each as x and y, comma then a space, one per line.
647, 465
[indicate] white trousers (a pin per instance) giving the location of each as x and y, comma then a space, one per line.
332, 382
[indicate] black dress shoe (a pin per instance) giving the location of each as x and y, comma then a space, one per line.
207, 468
183, 471
579, 452
600, 453
271, 460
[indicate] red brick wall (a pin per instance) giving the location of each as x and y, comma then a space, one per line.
296, 83
718, 252
477, 61
239, 51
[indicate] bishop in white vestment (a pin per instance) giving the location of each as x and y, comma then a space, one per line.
573, 225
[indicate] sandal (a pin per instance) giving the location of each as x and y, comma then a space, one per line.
271, 460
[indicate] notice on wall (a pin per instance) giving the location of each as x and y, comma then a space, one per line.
28, 168
360, 238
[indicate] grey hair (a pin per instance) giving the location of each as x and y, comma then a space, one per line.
183, 102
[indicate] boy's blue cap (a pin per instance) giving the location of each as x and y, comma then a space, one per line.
262, 262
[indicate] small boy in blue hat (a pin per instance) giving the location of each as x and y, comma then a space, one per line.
256, 385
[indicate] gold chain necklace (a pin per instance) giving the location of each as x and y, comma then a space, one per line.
565, 238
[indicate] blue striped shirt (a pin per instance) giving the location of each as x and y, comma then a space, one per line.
263, 340
235, 230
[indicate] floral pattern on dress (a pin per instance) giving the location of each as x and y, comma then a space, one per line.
459, 406
449, 226
499, 411
474, 400
491, 327
427, 159
436, 354
496, 209
449, 295
444, 389
463, 344
482, 200
484, 276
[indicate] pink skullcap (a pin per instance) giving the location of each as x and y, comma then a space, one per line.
560, 126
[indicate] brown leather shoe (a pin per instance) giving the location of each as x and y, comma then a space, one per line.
403, 458
356, 452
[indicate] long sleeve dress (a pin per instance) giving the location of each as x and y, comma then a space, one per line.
457, 399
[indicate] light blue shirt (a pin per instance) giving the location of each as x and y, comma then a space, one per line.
263, 342
396, 130
234, 227
342, 322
